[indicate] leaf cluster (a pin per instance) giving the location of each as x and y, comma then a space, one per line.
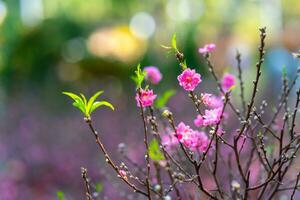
87, 106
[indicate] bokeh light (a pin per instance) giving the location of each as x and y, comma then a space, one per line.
3, 11
142, 25
117, 43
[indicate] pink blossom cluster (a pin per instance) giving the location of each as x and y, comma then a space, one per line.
208, 48
228, 81
211, 117
211, 100
169, 140
145, 97
198, 121
153, 74
189, 79
192, 139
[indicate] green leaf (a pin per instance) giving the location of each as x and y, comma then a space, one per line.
80, 105
83, 98
99, 187
92, 100
72, 95
174, 42
154, 151
87, 107
166, 47
101, 103
232, 88
139, 76
60, 195
163, 99
78, 101
184, 65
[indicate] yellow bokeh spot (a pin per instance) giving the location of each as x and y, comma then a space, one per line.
116, 43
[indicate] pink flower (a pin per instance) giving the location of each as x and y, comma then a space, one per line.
194, 140
153, 74
145, 97
208, 48
211, 100
212, 117
169, 141
198, 121
182, 130
228, 81
189, 79
203, 141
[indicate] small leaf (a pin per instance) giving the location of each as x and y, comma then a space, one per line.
154, 151
92, 100
80, 105
99, 187
139, 76
72, 95
78, 102
166, 47
163, 99
174, 42
101, 103
183, 65
83, 98
60, 195
232, 88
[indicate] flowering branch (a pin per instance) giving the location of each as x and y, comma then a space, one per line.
180, 154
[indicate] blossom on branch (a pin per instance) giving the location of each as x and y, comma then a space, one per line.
208, 48
145, 97
189, 79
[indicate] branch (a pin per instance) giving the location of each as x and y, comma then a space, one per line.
238, 59
109, 160
146, 145
86, 183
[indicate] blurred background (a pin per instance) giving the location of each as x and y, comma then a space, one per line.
50, 46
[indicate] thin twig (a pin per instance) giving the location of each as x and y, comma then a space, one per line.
85, 178
238, 59
109, 160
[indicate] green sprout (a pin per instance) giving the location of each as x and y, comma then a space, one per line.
174, 42
87, 106
139, 76
173, 47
